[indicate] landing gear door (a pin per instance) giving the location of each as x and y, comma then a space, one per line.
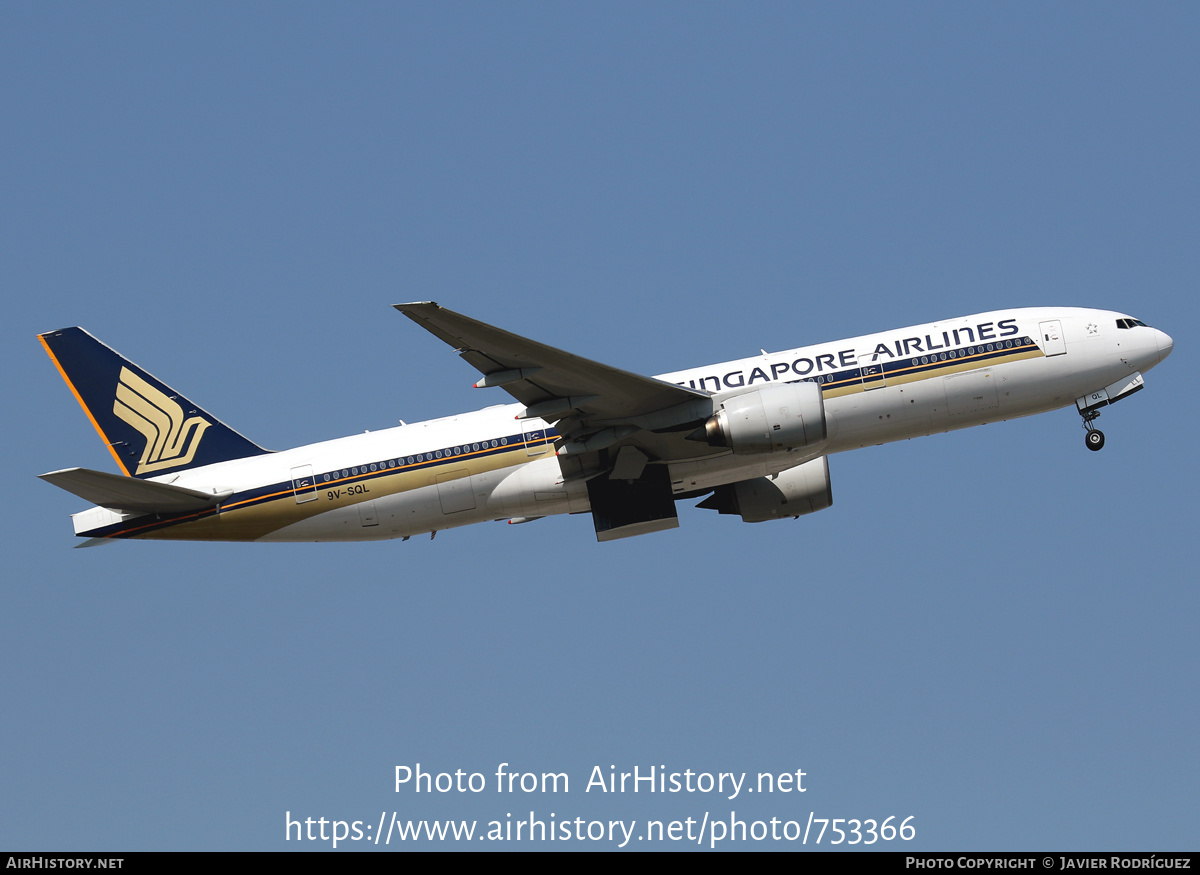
1053, 342
456, 491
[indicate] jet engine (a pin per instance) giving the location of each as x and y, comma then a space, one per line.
780, 417
791, 493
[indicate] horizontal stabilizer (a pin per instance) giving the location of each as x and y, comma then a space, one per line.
130, 494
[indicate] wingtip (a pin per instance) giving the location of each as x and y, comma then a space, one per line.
417, 305
96, 542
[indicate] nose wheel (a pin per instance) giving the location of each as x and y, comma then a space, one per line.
1094, 437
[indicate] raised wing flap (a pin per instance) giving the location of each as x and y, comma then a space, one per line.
600, 392
130, 494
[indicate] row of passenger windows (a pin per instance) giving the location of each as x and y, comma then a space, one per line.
826, 378
1129, 323
403, 461
952, 354
973, 350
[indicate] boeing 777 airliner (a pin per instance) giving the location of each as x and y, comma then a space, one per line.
752, 437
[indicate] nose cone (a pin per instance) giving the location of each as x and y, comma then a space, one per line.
1165, 344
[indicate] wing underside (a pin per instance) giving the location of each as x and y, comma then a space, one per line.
130, 495
615, 427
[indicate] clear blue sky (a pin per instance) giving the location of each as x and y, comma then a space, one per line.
992, 630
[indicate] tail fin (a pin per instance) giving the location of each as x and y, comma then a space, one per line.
149, 427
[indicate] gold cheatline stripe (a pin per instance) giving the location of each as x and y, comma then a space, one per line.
226, 507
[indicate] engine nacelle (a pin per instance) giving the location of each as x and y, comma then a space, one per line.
791, 493
776, 418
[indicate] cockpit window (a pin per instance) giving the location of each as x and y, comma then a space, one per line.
1130, 323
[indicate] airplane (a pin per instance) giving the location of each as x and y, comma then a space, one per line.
751, 437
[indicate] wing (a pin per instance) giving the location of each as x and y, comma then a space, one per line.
595, 406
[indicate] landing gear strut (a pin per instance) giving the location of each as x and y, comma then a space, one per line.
1094, 437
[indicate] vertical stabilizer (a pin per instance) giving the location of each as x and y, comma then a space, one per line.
149, 427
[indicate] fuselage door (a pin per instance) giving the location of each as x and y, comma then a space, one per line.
535, 438
303, 484
1053, 342
872, 376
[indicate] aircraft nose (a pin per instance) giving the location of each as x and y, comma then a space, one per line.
1165, 344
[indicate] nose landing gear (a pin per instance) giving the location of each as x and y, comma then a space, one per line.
1094, 437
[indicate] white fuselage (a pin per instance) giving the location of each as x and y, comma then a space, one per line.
489, 464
